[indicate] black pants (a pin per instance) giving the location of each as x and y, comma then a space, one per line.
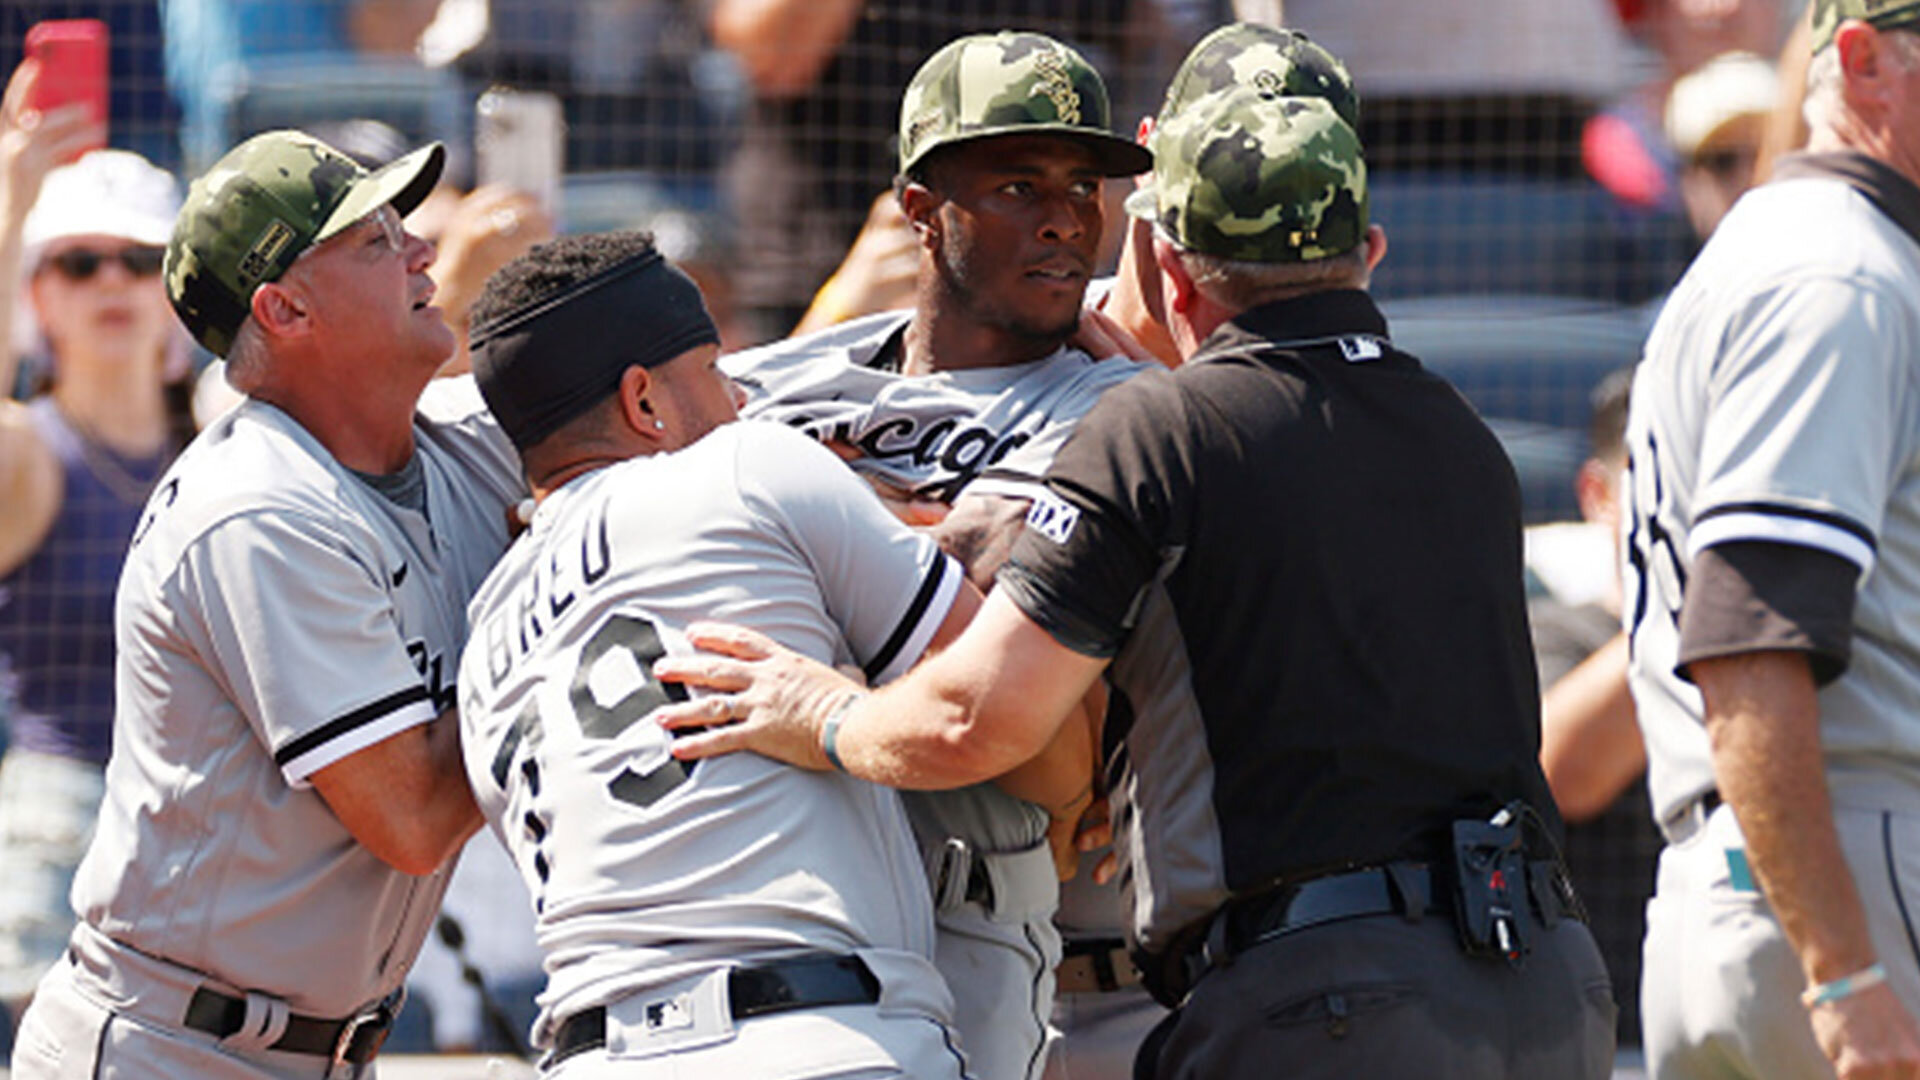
1384, 998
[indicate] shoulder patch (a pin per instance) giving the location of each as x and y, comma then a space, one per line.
1052, 517
1360, 349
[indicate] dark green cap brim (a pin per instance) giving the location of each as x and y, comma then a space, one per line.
405, 182
1113, 155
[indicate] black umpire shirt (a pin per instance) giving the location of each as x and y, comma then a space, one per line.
1321, 653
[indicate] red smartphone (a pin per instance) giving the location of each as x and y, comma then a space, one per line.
73, 67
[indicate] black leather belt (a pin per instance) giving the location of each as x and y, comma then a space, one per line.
1406, 888
1691, 817
1095, 966
752, 990
979, 883
353, 1041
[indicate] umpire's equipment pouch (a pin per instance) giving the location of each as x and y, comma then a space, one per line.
1492, 886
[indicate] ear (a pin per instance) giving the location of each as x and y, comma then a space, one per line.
922, 209
1376, 246
1593, 487
279, 309
1864, 64
1176, 285
635, 383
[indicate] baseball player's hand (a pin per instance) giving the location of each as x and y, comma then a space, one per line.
768, 698
1099, 336
915, 510
1869, 1036
1095, 831
32, 142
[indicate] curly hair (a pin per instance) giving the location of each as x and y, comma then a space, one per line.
552, 268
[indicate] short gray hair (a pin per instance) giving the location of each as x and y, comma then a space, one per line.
247, 357
1239, 285
1821, 106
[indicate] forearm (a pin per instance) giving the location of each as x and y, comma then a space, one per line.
405, 798
1590, 743
12, 271
1060, 777
925, 733
783, 45
1764, 721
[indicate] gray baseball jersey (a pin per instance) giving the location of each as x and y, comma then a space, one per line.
276, 615
1778, 402
989, 431
646, 871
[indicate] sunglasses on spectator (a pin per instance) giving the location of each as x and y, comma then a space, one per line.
80, 264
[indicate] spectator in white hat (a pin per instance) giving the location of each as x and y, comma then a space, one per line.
77, 462
1716, 117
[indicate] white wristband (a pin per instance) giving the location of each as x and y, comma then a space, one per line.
1845, 986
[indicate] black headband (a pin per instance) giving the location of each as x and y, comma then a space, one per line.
543, 365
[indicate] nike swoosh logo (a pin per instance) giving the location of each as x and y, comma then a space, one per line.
400, 575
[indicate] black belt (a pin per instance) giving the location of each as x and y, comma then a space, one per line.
979, 883
1407, 888
1095, 966
1691, 817
353, 1041
752, 990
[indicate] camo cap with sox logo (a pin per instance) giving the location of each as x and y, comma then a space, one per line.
269, 199
1265, 58
1011, 83
1258, 177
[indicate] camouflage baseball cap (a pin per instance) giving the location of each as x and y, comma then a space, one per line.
1259, 177
1265, 58
269, 199
1011, 83
1884, 14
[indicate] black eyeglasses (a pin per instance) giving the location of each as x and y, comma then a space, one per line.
80, 264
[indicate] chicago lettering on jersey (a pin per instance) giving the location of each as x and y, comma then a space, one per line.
954, 452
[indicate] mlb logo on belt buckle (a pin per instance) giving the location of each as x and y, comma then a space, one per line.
669, 1015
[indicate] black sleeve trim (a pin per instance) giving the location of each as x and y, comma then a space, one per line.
929, 588
1755, 595
1073, 629
1838, 521
360, 717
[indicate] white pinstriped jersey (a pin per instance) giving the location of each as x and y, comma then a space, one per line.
275, 615
646, 871
985, 430
1779, 400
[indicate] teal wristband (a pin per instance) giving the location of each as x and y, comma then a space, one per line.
830, 730
1845, 986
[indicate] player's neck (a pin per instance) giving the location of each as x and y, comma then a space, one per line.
547, 477
369, 433
943, 338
